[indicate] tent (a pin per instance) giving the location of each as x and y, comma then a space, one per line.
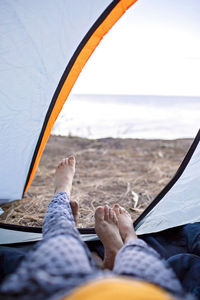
42, 53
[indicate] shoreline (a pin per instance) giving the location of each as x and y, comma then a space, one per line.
130, 172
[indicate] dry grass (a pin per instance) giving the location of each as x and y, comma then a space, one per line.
127, 171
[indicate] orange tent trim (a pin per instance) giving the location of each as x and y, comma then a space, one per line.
114, 15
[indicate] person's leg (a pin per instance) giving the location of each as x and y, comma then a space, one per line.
63, 181
136, 259
61, 216
62, 212
61, 261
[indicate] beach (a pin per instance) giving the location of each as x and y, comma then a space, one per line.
127, 171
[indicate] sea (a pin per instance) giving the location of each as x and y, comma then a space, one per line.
129, 116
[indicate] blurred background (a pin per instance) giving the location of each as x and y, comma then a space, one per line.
142, 81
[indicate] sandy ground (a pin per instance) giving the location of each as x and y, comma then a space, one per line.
130, 172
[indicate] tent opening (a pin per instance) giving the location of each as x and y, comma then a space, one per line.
134, 89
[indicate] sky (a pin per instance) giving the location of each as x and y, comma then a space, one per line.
154, 49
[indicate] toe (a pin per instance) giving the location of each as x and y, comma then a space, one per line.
62, 163
59, 165
116, 208
115, 218
106, 212
121, 210
116, 205
124, 211
71, 160
99, 213
111, 214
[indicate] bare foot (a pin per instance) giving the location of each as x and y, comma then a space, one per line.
125, 223
63, 181
107, 230
75, 208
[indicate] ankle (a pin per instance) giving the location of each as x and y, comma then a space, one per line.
62, 189
108, 261
129, 237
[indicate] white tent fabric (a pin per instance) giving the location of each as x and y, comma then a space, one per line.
8, 236
37, 44
181, 204
38, 39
